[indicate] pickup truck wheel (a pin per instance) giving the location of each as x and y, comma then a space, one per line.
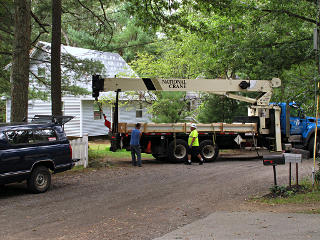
208, 152
39, 180
311, 147
178, 152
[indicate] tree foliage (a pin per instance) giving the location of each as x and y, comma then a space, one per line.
247, 39
217, 108
97, 25
170, 107
188, 39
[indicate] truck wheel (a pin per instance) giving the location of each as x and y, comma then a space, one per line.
208, 152
178, 153
311, 147
39, 180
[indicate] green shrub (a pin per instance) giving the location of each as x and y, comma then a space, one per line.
286, 191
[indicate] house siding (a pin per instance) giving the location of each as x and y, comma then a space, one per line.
90, 126
71, 108
96, 127
128, 114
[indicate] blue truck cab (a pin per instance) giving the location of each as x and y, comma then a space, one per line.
301, 127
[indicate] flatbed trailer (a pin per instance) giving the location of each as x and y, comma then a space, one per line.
169, 140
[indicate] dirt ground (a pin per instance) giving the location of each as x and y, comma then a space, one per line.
124, 202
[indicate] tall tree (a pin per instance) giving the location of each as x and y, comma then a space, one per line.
56, 59
6, 41
20, 62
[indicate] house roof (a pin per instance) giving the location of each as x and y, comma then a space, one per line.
114, 64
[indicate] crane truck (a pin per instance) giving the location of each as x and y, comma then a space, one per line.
275, 126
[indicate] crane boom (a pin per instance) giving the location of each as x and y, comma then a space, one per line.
218, 86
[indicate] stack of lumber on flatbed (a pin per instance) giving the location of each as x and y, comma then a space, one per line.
185, 127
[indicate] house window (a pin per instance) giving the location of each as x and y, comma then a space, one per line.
138, 113
41, 73
96, 111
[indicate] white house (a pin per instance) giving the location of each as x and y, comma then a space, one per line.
87, 119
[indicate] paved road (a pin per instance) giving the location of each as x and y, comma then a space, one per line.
249, 225
124, 202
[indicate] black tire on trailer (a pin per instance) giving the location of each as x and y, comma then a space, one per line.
178, 152
208, 152
311, 146
39, 180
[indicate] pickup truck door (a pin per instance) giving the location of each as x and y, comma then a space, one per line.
12, 158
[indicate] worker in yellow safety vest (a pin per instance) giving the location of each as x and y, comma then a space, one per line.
193, 142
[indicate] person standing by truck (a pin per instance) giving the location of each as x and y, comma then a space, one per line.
135, 145
193, 142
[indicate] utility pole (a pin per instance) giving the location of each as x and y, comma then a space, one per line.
316, 44
317, 38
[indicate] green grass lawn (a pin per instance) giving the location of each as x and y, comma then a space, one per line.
100, 150
309, 197
305, 195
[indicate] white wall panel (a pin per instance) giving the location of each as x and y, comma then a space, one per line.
89, 125
72, 108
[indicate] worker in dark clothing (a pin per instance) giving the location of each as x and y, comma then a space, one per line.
135, 145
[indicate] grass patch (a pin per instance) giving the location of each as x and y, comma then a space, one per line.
103, 150
78, 168
313, 211
304, 193
100, 153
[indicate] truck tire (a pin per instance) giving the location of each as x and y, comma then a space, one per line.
311, 146
39, 180
178, 152
208, 152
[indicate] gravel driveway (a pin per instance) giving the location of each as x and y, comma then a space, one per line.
125, 202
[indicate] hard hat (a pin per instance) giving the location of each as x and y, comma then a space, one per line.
193, 125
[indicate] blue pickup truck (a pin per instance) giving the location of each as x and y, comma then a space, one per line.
298, 129
31, 151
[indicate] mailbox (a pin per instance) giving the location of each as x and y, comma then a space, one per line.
273, 160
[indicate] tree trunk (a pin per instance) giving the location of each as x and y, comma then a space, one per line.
56, 106
20, 61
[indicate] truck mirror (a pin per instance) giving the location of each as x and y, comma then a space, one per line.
301, 113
